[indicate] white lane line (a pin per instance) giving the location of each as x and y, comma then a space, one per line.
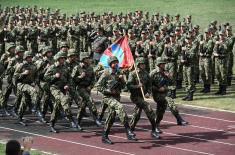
191, 137
67, 141
119, 137
189, 124
218, 119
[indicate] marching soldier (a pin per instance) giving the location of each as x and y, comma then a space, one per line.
110, 84
58, 77
134, 85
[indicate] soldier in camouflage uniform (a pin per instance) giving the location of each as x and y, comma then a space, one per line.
44, 87
188, 56
13, 62
134, 85
110, 84
6, 57
160, 81
230, 41
20, 32
84, 79
59, 79
170, 54
142, 48
220, 53
25, 77
32, 36
74, 35
205, 61
2, 69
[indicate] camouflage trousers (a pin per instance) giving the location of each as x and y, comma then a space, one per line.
7, 94
188, 78
171, 67
32, 46
162, 103
230, 64
205, 70
62, 102
115, 107
45, 98
152, 63
86, 102
221, 69
29, 94
140, 105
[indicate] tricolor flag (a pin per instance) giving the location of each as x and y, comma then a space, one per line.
121, 50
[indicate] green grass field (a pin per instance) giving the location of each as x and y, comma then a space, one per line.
202, 11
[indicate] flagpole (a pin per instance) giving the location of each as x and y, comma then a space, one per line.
141, 88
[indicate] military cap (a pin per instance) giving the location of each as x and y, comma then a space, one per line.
72, 52
183, 25
229, 28
166, 15
177, 29
226, 24
75, 17
112, 59
28, 54
45, 19
156, 33
188, 16
177, 15
207, 30
84, 55
33, 18
64, 44
196, 27
115, 28
189, 36
143, 32
221, 33
21, 17
163, 28
130, 31
46, 49
140, 60
19, 48
172, 34
59, 55
160, 60
10, 45
156, 14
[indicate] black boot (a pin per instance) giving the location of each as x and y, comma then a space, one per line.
173, 94
229, 80
178, 84
186, 97
105, 138
6, 112
223, 90
155, 134
208, 88
42, 119
180, 120
52, 127
204, 88
21, 122
130, 134
190, 96
169, 93
158, 130
219, 91
97, 121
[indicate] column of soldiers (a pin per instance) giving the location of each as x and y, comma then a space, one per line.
50, 61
